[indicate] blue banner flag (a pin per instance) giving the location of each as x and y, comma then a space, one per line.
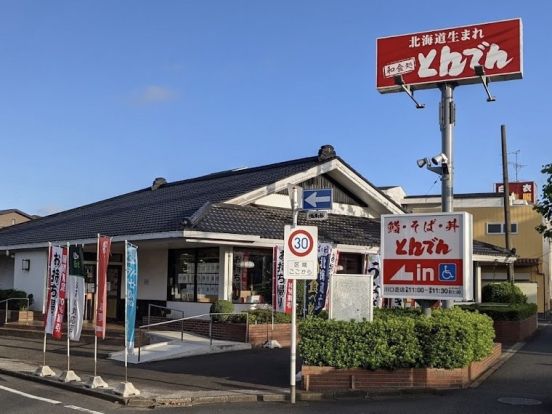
131, 294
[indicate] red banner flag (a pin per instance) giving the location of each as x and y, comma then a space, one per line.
57, 278
104, 249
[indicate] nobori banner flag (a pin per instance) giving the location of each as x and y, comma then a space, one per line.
457, 54
282, 286
76, 292
104, 249
57, 275
131, 293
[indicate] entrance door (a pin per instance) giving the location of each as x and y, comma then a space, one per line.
114, 301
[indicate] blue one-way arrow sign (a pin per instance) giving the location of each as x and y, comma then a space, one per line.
319, 199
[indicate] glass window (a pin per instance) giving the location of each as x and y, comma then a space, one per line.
193, 275
350, 263
499, 228
252, 276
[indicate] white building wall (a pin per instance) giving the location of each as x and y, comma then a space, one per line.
152, 274
34, 280
6, 272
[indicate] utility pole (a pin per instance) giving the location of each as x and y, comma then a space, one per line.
507, 225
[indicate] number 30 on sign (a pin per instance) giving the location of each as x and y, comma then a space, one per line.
300, 252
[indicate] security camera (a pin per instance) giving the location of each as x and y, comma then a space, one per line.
422, 162
439, 159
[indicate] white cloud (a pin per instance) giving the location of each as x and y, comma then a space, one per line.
154, 94
47, 210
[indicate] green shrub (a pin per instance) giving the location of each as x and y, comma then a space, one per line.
265, 316
511, 312
13, 294
503, 292
451, 338
221, 306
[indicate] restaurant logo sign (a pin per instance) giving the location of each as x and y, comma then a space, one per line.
427, 59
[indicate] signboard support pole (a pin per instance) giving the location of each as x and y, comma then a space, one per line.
447, 115
295, 212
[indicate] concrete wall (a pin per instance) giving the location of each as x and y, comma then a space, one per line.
152, 274
33, 280
6, 272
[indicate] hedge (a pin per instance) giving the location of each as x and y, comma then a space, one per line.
503, 292
450, 338
12, 294
499, 312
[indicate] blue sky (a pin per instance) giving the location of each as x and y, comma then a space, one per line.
100, 97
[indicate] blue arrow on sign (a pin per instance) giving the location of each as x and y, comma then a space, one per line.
320, 199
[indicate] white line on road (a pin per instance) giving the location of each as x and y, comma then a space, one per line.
84, 410
34, 397
24, 394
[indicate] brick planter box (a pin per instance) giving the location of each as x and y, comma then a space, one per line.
328, 379
515, 331
259, 334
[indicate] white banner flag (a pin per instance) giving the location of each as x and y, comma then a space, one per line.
57, 271
76, 292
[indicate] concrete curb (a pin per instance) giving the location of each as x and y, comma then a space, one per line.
210, 397
244, 396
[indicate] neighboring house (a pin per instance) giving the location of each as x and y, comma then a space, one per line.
13, 216
10, 217
210, 237
533, 263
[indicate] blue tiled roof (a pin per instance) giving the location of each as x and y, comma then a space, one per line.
269, 223
147, 211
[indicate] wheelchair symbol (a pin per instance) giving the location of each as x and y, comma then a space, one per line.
447, 272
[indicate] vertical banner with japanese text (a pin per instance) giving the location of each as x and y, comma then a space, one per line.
76, 292
104, 249
317, 290
131, 294
57, 276
281, 286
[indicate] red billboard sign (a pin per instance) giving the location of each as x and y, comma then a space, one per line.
427, 59
524, 190
427, 256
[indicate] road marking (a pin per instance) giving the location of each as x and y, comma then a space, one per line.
34, 397
84, 410
24, 394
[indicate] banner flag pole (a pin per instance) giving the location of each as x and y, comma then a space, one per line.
127, 389
96, 381
69, 375
45, 370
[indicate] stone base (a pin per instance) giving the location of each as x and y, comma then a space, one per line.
273, 343
69, 376
45, 371
126, 389
96, 382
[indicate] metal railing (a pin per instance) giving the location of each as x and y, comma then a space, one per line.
7, 301
203, 316
150, 305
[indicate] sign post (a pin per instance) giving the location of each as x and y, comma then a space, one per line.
300, 262
445, 58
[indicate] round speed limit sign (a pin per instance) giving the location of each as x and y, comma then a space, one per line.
300, 243
300, 252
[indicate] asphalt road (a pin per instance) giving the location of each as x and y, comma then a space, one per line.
524, 378
19, 396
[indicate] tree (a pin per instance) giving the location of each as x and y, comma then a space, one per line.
544, 205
